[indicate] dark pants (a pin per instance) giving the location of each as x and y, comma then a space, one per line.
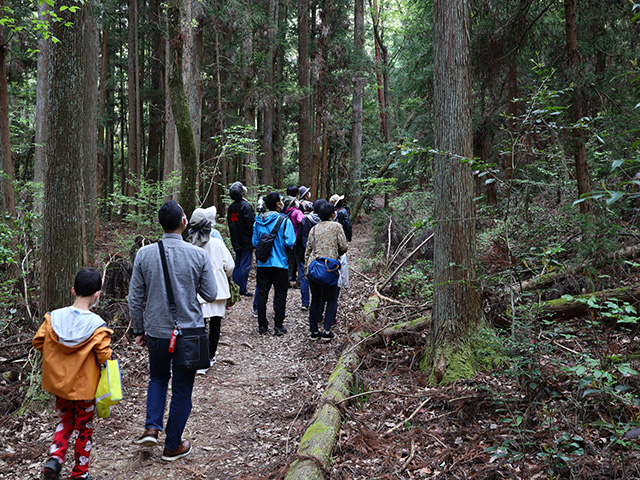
160, 369
214, 335
265, 278
241, 269
292, 261
321, 296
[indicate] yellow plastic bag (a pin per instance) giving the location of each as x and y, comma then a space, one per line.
109, 390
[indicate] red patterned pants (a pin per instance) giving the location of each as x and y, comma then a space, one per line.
76, 418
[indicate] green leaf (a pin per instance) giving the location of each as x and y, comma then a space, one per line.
616, 164
626, 370
615, 196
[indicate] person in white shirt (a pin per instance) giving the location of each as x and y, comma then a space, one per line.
202, 234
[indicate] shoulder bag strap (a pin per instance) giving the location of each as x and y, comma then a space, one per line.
167, 281
278, 223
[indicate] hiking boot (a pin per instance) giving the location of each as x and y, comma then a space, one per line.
304, 307
183, 450
327, 336
149, 438
279, 331
315, 336
263, 330
51, 470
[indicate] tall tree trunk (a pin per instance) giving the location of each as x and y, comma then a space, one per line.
41, 125
101, 167
192, 66
357, 103
8, 196
250, 163
324, 181
279, 131
132, 88
269, 104
63, 209
456, 301
156, 98
305, 141
180, 108
579, 137
379, 75
91, 54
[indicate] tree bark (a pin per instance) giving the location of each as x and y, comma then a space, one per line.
156, 99
63, 209
384, 128
101, 167
305, 141
357, 102
41, 126
91, 54
456, 300
248, 108
269, 103
192, 67
579, 139
132, 87
8, 196
180, 108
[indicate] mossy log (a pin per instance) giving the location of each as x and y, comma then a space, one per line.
313, 460
547, 279
314, 454
569, 308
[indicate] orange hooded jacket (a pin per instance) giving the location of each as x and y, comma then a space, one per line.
72, 372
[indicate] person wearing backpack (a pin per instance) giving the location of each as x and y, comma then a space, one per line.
240, 218
276, 229
292, 210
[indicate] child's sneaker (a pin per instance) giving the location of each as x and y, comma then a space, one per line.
87, 476
51, 470
327, 336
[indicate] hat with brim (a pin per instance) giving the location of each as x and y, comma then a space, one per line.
302, 191
200, 214
336, 198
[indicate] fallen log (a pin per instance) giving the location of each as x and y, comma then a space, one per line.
574, 307
313, 459
547, 279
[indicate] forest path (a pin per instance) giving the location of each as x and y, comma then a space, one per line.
250, 409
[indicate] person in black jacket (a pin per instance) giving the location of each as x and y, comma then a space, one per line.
342, 216
240, 218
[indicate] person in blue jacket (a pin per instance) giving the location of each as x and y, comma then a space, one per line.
275, 271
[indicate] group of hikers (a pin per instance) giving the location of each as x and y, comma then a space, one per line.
190, 281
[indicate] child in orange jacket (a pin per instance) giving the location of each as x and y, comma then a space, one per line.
74, 342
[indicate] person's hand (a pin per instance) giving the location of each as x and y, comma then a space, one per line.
141, 340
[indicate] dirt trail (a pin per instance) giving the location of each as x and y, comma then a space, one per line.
249, 410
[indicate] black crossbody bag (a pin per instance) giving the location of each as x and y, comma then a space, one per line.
191, 347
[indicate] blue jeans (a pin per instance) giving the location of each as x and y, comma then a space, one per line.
241, 269
304, 285
321, 296
160, 369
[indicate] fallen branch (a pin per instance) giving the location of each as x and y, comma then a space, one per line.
424, 242
408, 419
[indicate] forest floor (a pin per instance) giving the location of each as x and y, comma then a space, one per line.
251, 408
